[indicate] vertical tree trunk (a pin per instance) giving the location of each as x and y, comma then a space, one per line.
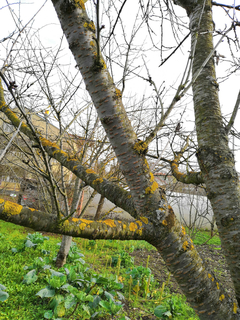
67, 240
63, 251
214, 155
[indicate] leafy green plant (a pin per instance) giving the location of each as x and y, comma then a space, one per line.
141, 278
162, 312
32, 240
36, 238
126, 260
77, 287
75, 254
111, 305
173, 308
38, 265
91, 244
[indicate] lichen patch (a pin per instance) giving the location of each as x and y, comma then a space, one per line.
12, 208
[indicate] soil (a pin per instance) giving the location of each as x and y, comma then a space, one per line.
211, 254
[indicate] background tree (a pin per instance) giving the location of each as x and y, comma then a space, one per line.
144, 199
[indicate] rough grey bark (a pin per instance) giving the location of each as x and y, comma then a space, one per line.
107, 99
214, 155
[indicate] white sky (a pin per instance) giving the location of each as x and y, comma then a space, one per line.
51, 33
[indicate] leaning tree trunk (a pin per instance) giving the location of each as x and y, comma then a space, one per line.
99, 208
199, 285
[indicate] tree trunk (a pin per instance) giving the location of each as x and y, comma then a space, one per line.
67, 240
99, 208
63, 251
199, 285
215, 158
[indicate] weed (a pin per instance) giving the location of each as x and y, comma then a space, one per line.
125, 258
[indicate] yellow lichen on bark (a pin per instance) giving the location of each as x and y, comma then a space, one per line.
146, 163
75, 219
98, 180
164, 222
140, 147
80, 4
47, 143
234, 307
99, 61
222, 297
61, 152
144, 220
66, 223
12, 208
31, 209
86, 221
151, 189
90, 26
151, 177
187, 246
109, 222
1, 201
118, 94
90, 171
82, 226
133, 227
210, 277
183, 231
139, 223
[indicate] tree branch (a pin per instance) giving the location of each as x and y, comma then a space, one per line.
187, 178
89, 229
108, 189
226, 5
234, 114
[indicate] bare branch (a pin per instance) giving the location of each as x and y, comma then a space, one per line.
234, 114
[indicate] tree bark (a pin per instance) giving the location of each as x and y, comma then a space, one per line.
214, 155
63, 251
99, 208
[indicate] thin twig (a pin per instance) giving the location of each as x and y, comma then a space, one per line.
10, 142
234, 114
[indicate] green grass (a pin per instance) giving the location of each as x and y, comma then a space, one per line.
24, 304
202, 236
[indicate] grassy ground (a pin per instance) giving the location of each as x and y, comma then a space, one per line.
119, 279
